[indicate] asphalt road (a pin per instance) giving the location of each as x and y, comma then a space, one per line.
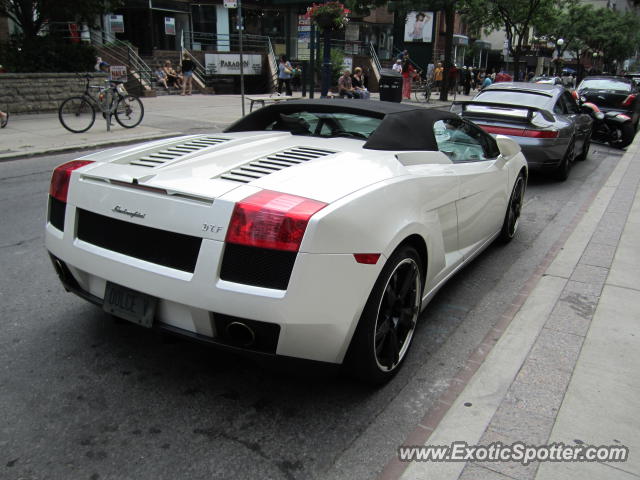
84, 397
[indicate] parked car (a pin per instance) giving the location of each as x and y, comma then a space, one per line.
617, 98
309, 229
547, 80
635, 76
543, 119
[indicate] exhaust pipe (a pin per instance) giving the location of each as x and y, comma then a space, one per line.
240, 334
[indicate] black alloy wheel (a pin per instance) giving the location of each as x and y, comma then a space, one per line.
623, 135
585, 148
562, 172
384, 333
514, 209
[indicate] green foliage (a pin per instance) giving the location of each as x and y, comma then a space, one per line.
516, 17
337, 60
31, 15
46, 54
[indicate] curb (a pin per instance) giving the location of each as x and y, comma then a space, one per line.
5, 157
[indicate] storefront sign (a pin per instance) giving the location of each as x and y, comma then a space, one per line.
169, 26
304, 37
118, 72
229, 63
116, 24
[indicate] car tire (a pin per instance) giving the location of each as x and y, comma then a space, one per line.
585, 148
562, 172
387, 324
627, 132
514, 208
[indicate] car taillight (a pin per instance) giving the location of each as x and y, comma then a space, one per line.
629, 100
520, 132
541, 133
272, 220
61, 176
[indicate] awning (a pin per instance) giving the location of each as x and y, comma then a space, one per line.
460, 40
481, 44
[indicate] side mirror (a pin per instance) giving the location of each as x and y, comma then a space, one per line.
508, 147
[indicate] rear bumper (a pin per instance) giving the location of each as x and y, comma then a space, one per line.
316, 315
542, 153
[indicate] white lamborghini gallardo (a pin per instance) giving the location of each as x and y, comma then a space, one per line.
309, 229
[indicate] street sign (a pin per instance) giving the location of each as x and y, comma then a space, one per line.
230, 3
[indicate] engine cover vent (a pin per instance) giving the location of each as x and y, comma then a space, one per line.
274, 162
161, 157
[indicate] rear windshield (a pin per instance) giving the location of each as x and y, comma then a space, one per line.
320, 124
605, 84
514, 98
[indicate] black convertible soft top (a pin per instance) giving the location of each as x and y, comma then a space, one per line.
403, 127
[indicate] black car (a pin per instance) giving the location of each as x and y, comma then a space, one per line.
612, 94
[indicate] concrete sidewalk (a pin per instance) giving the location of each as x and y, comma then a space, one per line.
166, 116
561, 365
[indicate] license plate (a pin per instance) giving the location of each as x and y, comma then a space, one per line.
130, 305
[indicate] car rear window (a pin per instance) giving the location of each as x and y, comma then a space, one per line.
514, 98
605, 84
322, 124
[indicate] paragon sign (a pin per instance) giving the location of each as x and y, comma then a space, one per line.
229, 63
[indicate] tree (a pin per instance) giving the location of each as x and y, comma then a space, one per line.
32, 15
516, 17
614, 34
574, 22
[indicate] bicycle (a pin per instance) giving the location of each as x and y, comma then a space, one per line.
422, 90
78, 113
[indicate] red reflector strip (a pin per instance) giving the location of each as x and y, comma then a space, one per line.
271, 220
367, 258
59, 187
629, 100
541, 133
503, 130
520, 132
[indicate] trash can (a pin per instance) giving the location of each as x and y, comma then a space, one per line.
390, 85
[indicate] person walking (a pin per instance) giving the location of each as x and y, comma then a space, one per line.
437, 75
407, 75
4, 119
187, 74
284, 75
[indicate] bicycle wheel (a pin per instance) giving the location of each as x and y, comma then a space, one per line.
129, 111
77, 114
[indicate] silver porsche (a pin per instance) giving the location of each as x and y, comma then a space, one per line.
543, 119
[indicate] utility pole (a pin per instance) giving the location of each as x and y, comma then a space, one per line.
241, 33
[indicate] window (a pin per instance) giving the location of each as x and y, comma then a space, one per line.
560, 106
322, 124
463, 142
570, 103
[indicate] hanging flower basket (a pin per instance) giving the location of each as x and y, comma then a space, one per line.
328, 16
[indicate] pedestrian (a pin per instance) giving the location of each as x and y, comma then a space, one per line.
408, 72
437, 75
172, 76
466, 79
357, 81
486, 82
285, 70
345, 87
4, 119
296, 78
161, 77
397, 66
187, 74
